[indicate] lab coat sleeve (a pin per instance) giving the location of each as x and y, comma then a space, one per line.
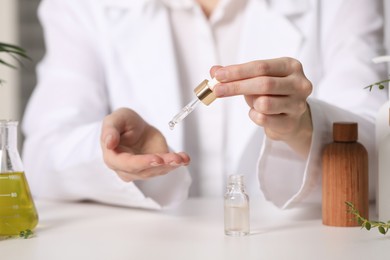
62, 123
351, 35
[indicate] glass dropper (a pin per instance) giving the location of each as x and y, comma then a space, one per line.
183, 113
204, 93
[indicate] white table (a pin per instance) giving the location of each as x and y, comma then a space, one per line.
194, 231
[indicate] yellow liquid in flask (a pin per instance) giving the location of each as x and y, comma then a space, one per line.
17, 209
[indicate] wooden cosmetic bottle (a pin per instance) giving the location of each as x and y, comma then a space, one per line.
344, 176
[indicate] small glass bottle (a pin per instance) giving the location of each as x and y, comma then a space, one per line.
236, 207
17, 209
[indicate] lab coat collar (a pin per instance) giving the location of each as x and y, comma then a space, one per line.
187, 4
174, 4
179, 4
124, 3
289, 7
285, 7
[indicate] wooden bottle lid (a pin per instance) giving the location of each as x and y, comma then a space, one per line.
345, 131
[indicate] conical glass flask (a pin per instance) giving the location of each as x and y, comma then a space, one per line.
17, 209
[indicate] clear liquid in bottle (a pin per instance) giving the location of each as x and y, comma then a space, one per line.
236, 207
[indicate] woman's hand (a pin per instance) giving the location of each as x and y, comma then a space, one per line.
134, 149
276, 91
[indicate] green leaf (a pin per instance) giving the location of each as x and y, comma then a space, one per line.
10, 46
15, 52
382, 230
349, 204
7, 64
369, 87
13, 49
26, 233
380, 84
368, 225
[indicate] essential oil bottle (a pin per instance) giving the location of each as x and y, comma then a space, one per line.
344, 176
236, 207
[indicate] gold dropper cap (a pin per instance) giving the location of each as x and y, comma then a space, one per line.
204, 92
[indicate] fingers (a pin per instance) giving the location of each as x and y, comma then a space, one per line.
276, 91
124, 159
276, 126
275, 105
141, 167
279, 67
134, 149
115, 124
109, 137
284, 78
214, 69
279, 86
254, 86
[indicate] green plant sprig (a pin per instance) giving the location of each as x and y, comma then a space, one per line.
26, 233
379, 84
383, 227
15, 52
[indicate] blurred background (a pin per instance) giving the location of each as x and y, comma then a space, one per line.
19, 25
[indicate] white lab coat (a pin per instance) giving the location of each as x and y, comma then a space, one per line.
106, 54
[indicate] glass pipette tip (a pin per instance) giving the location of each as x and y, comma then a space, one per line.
183, 113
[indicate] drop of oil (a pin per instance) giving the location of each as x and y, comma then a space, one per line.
171, 125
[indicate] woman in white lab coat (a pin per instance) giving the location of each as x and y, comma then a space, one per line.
116, 70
